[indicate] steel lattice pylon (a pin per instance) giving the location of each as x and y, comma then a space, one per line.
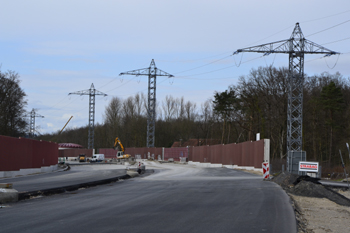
92, 92
32, 116
296, 46
152, 72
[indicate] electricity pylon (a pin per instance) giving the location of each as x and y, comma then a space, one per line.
296, 46
92, 92
152, 72
32, 116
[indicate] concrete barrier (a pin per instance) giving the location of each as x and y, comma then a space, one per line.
7, 193
28, 171
198, 164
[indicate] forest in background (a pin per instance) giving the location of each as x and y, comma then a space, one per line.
256, 104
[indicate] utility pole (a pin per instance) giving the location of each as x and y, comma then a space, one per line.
32, 116
92, 92
152, 72
296, 46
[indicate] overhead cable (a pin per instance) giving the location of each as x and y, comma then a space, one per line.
325, 17
329, 28
203, 65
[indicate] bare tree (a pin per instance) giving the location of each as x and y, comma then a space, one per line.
190, 109
169, 106
113, 112
139, 101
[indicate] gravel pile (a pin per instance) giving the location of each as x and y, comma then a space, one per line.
308, 187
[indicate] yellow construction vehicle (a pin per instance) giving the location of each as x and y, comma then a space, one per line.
120, 154
82, 158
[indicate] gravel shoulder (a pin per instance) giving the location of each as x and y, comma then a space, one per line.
317, 208
322, 215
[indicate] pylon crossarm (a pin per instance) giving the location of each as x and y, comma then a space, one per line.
284, 46
88, 92
136, 72
85, 92
274, 47
313, 48
146, 71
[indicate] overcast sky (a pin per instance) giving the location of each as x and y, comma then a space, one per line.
58, 47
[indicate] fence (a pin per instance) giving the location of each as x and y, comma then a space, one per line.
242, 154
144, 152
21, 153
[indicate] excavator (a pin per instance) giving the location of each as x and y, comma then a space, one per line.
120, 154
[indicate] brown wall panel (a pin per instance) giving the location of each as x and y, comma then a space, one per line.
242, 154
175, 153
21, 153
258, 153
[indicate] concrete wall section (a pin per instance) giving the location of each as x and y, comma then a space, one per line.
22, 153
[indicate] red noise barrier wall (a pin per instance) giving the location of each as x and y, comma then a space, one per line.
21, 153
144, 152
165, 153
242, 154
176, 153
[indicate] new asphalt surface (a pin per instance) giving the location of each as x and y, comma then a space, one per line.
175, 198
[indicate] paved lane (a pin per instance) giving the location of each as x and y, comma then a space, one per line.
76, 175
176, 198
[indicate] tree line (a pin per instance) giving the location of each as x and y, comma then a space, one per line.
257, 103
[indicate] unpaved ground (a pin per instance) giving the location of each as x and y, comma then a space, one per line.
318, 209
252, 171
322, 215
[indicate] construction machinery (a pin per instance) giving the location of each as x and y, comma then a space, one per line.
82, 158
118, 145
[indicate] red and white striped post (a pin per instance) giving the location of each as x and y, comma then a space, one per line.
266, 170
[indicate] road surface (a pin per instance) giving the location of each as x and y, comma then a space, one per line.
77, 174
176, 198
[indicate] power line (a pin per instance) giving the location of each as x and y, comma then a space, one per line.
337, 41
121, 84
203, 65
328, 28
325, 17
192, 60
227, 67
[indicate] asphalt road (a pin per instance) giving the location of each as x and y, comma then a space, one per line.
176, 198
77, 174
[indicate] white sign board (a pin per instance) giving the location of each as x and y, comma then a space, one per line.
308, 166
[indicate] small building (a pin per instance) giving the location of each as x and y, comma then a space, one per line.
70, 151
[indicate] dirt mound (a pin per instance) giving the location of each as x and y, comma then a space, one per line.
308, 187
307, 178
285, 179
